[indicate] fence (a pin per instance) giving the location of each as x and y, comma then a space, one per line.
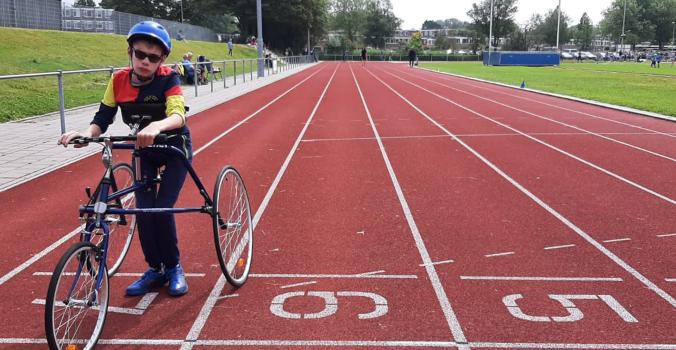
400, 57
233, 71
49, 14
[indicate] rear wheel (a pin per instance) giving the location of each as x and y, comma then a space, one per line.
121, 227
233, 231
75, 310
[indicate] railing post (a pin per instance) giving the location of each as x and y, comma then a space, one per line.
243, 71
234, 72
251, 69
62, 103
225, 76
211, 77
195, 81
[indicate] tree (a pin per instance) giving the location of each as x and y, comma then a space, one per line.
431, 25
503, 18
85, 3
585, 32
635, 21
548, 27
349, 17
661, 13
380, 22
415, 43
138, 7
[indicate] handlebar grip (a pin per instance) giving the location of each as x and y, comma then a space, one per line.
161, 138
79, 141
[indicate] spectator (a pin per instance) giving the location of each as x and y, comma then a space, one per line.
412, 56
180, 36
204, 67
149, 45
188, 68
230, 46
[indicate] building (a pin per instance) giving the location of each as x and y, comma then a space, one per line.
428, 37
87, 19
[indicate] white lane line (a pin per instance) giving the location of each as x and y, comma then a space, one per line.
553, 120
667, 235
451, 318
560, 246
556, 279
464, 79
499, 254
54, 245
471, 135
588, 163
438, 263
652, 286
298, 284
372, 273
39, 255
355, 343
329, 276
201, 320
617, 240
672, 280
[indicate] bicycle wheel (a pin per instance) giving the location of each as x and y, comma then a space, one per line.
233, 231
121, 232
75, 309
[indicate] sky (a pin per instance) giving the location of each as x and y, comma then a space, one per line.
415, 12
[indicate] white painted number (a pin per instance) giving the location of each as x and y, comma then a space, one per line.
574, 314
330, 304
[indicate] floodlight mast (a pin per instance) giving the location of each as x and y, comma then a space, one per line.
490, 35
259, 20
558, 28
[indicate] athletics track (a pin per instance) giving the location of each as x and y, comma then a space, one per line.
394, 208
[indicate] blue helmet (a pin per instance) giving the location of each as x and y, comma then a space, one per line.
151, 30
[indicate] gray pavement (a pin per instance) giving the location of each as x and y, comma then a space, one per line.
28, 147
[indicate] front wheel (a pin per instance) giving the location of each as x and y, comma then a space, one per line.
233, 231
77, 299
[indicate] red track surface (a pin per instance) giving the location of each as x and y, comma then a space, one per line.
483, 205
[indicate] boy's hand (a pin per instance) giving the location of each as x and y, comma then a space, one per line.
146, 136
69, 136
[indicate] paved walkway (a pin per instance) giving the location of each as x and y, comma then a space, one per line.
28, 147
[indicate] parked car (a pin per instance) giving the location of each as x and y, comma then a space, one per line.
567, 56
586, 55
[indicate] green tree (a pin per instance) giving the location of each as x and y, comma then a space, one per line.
380, 22
503, 18
635, 20
431, 25
548, 27
415, 43
138, 7
85, 3
584, 32
349, 17
442, 43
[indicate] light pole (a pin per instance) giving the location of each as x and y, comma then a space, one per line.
624, 17
490, 35
673, 31
181, 2
558, 26
259, 20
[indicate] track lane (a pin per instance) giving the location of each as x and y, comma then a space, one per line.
498, 226
20, 201
252, 149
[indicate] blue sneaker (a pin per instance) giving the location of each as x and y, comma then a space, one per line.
177, 284
150, 279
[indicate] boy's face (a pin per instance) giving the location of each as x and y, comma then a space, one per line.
150, 52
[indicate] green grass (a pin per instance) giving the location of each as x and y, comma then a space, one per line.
625, 84
38, 51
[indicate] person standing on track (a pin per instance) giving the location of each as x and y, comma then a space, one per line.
363, 56
146, 80
411, 57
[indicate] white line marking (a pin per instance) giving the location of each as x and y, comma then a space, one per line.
298, 284
39, 255
560, 246
438, 262
54, 245
357, 276
652, 286
588, 163
667, 235
196, 328
572, 346
672, 280
228, 296
524, 278
451, 318
617, 240
462, 79
372, 273
498, 254
472, 135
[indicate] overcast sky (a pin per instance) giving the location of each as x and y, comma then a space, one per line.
415, 12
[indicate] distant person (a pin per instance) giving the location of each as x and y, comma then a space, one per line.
579, 56
363, 56
203, 67
188, 68
412, 56
653, 61
230, 46
180, 36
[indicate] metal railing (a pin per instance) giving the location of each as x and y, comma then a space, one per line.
273, 66
400, 57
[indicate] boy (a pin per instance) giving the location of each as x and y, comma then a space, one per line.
147, 81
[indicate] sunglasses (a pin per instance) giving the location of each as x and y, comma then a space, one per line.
143, 55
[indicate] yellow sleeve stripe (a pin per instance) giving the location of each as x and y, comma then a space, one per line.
109, 96
176, 105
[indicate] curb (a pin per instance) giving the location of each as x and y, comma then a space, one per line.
577, 99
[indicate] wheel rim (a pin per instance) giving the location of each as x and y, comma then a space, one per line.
234, 227
78, 316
